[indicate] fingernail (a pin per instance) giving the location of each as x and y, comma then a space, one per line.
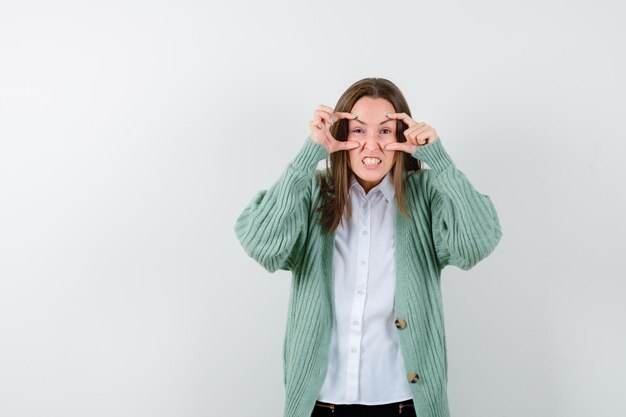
388, 115
356, 116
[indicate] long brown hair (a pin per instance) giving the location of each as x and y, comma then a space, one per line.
335, 183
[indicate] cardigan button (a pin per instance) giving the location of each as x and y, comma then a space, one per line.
400, 324
413, 377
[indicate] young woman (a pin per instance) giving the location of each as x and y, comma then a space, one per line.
366, 240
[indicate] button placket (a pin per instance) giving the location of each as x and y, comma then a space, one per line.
365, 264
358, 305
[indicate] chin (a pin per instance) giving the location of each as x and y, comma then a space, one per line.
370, 176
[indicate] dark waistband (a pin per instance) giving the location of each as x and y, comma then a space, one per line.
388, 405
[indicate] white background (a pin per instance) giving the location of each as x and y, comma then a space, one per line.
132, 134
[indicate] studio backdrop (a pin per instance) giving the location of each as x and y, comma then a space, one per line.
132, 134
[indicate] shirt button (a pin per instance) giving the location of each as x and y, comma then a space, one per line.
361, 292
356, 323
364, 205
362, 262
364, 232
353, 350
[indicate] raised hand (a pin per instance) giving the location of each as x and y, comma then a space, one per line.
418, 133
323, 118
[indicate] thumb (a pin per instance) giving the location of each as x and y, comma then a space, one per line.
350, 144
396, 146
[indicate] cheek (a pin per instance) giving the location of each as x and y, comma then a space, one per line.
352, 158
389, 138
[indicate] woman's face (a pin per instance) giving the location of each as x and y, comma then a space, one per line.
373, 130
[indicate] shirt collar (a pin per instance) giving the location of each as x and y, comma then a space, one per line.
385, 186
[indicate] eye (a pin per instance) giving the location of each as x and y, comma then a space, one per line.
385, 131
357, 130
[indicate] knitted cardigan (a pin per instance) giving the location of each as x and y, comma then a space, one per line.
450, 224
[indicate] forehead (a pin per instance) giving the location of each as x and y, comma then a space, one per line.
372, 110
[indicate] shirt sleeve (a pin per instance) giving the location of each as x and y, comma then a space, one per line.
272, 228
465, 225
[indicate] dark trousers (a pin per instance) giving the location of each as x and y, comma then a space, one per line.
402, 408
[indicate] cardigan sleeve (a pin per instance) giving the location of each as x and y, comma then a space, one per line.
272, 228
465, 225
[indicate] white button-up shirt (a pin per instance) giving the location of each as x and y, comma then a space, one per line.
365, 364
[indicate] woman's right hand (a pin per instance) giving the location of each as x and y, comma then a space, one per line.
320, 129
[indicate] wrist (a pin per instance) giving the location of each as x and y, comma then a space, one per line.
310, 154
434, 155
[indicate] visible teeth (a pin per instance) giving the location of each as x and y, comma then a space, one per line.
371, 161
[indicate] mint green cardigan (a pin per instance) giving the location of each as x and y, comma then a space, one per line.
451, 224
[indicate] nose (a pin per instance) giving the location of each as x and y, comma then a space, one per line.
371, 142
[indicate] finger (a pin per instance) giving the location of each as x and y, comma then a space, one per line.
417, 130
347, 145
412, 131
423, 131
418, 125
323, 115
404, 117
344, 115
401, 146
426, 137
317, 122
327, 109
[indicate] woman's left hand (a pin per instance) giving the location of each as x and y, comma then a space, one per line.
418, 134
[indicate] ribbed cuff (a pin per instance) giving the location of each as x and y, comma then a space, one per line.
434, 155
309, 155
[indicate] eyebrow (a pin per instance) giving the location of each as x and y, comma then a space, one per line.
382, 123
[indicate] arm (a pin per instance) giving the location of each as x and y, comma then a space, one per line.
272, 228
465, 224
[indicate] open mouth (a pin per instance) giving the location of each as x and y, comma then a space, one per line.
371, 161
